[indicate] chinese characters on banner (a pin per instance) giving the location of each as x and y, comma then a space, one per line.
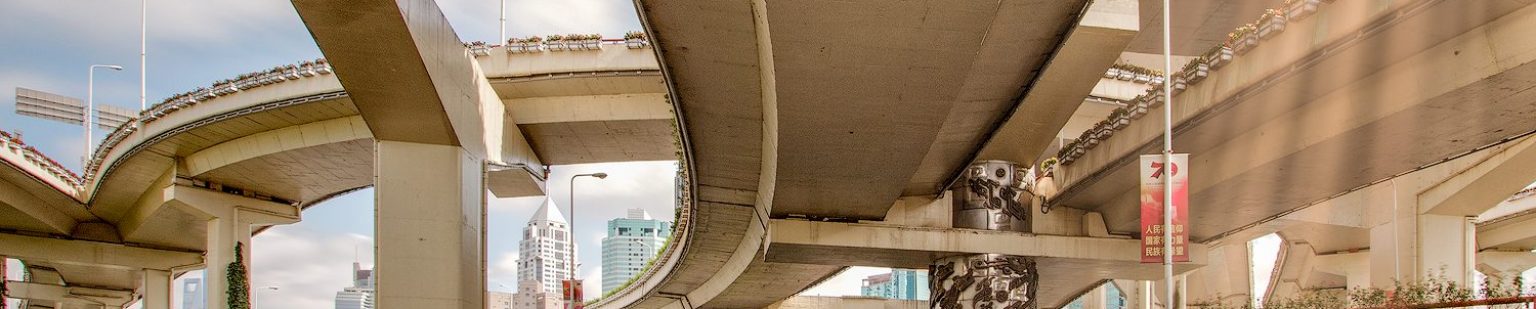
1153, 170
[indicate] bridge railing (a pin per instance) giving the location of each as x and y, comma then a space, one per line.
243, 82
1239, 41
292, 72
22, 155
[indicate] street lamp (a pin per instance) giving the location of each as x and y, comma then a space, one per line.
90, 104
571, 241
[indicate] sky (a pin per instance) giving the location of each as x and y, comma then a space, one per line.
50, 43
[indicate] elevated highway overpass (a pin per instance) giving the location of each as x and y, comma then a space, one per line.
797, 140
289, 145
1310, 132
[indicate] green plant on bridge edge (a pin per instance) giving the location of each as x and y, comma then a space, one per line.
239, 290
1436, 290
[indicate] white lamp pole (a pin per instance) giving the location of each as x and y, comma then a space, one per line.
571, 241
1168, 159
90, 106
503, 35
143, 47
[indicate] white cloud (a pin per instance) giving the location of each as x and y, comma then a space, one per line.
307, 266
478, 19
503, 273
189, 21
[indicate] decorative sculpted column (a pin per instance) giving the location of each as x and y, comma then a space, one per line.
993, 196
984, 281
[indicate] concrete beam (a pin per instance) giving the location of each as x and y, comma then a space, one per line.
67, 294
412, 79
854, 244
276, 141
223, 205
149, 203
1504, 266
56, 221
514, 181
1069, 77
1510, 234
1485, 185
90, 253
590, 108
1069, 266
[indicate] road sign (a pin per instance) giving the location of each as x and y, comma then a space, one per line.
60, 108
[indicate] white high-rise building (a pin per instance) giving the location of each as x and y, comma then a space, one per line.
360, 294
631, 242
542, 255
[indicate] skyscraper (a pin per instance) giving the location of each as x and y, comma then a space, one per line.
631, 242
360, 294
542, 257
898, 284
192, 294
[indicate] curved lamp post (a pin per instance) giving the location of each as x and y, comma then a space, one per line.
571, 241
90, 106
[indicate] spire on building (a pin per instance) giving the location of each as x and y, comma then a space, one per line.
548, 212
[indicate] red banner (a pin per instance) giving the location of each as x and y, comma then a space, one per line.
572, 295
1153, 170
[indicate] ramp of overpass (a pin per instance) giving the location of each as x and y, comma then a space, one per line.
292, 136
769, 136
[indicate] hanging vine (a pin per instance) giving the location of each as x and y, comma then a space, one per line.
239, 290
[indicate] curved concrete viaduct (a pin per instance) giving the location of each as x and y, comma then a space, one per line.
809, 150
295, 143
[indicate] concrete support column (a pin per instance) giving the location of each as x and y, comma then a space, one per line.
1447, 247
992, 197
1415, 247
1147, 295
224, 235
984, 281
155, 286
430, 218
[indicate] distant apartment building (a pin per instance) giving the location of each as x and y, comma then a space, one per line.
499, 300
531, 295
360, 294
631, 242
898, 284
